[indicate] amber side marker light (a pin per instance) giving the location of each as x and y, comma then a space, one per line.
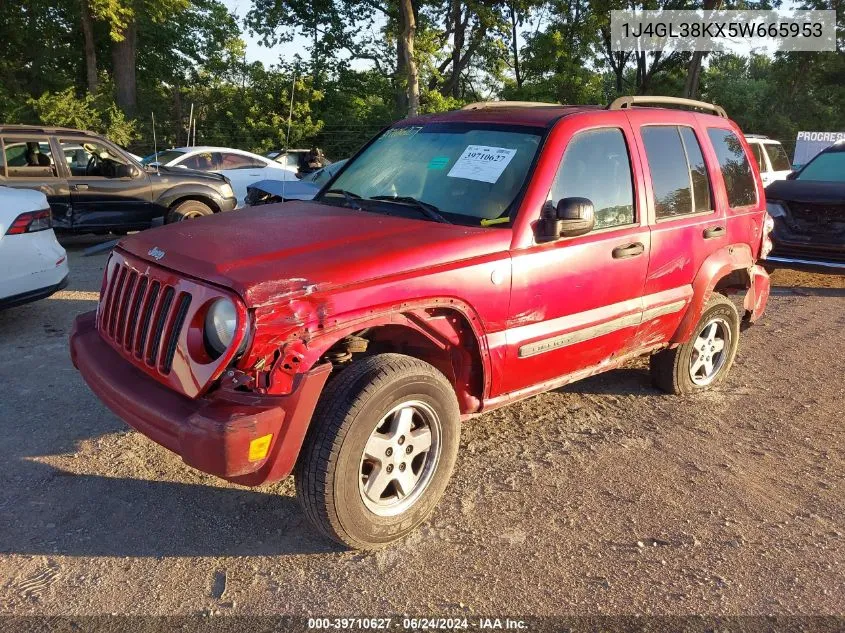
259, 447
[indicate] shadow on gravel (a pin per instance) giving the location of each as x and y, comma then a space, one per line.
89, 515
803, 291
46, 409
632, 381
28, 326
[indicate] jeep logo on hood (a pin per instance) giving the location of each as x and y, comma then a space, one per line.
156, 253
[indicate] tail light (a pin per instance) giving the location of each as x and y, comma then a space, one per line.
30, 222
768, 227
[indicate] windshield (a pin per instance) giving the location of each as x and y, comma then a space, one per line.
461, 169
162, 158
829, 167
778, 157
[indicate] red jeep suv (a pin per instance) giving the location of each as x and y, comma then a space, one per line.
458, 263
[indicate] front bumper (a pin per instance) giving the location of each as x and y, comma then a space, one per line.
797, 250
213, 433
229, 204
799, 262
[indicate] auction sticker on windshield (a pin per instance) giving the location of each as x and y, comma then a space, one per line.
480, 162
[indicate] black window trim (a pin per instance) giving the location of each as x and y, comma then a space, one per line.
728, 206
691, 214
88, 139
25, 137
637, 222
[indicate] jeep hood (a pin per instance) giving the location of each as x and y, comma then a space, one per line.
268, 252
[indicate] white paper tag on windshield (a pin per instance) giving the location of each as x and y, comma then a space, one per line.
480, 162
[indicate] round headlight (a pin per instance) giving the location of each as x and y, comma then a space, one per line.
221, 321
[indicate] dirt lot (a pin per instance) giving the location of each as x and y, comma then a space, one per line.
602, 498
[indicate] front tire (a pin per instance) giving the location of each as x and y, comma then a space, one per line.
706, 358
188, 210
380, 450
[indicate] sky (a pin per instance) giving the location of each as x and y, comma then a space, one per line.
269, 56
254, 50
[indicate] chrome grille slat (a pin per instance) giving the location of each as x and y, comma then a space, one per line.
115, 300
108, 299
172, 338
162, 312
134, 313
152, 307
143, 316
125, 297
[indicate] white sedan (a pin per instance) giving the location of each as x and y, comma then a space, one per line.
33, 265
241, 168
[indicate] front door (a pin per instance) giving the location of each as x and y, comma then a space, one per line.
578, 302
28, 163
104, 195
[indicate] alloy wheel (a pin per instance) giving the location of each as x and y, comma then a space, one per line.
710, 351
400, 458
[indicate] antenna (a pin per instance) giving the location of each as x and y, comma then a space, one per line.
290, 118
190, 124
155, 144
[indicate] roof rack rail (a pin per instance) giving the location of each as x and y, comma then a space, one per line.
18, 128
757, 136
482, 105
625, 103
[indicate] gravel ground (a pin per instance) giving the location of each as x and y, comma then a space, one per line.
605, 497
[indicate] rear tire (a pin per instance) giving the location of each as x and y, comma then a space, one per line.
706, 358
360, 478
188, 210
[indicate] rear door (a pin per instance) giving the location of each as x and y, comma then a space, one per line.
578, 302
687, 220
103, 196
28, 162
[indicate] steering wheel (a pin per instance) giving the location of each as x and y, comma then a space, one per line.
93, 164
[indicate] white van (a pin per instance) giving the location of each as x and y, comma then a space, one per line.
771, 158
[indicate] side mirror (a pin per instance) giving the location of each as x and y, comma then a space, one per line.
571, 217
127, 171
791, 175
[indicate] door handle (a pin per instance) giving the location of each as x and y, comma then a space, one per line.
714, 232
81, 187
628, 250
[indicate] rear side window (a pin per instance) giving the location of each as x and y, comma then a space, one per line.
678, 174
778, 157
698, 171
29, 158
596, 166
736, 170
239, 161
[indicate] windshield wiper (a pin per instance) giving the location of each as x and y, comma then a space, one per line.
428, 210
351, 198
